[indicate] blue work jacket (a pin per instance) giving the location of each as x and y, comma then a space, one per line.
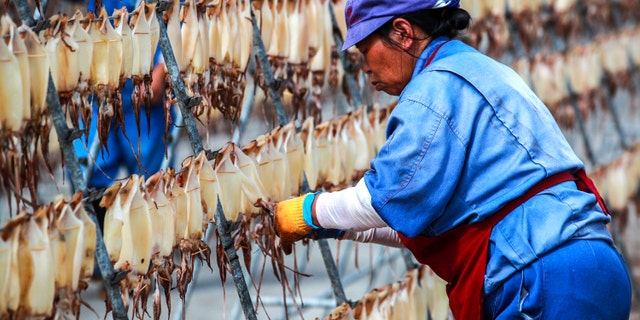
466, 137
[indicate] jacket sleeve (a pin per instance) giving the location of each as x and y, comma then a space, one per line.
417, 169
348, 209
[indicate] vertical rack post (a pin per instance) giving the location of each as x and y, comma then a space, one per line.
262, 58
185, 103
332, 271
274, 94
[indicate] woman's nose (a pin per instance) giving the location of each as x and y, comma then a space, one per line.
365, 66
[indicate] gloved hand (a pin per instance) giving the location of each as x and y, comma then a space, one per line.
293, 218
294, 221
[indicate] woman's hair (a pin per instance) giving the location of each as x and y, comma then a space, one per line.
434, 22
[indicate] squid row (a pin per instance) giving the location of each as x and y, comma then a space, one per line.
46, 260
24, 121
90, 56
85, 55
618, 180
22, 59
420, 294
212, 42
494, 21
148, 222
298, 38
586, 70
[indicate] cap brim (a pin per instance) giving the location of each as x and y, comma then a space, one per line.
363, 29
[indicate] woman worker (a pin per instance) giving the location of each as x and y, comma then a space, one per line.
475, 178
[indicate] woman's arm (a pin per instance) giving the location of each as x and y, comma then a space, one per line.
349, 209
384, 236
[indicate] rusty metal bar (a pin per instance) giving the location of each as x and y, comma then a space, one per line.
238, 276
185, 103
272, 85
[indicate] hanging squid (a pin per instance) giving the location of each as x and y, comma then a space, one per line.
143, 27
11, 111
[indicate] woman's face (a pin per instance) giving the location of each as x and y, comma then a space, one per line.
389, 68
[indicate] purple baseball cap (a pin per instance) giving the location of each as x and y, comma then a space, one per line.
366, 16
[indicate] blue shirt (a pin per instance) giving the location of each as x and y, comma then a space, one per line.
123, 150
466, 137
111, 5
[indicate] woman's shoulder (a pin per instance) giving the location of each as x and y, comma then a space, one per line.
467, 62
440, 90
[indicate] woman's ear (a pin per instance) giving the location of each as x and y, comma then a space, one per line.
403, 33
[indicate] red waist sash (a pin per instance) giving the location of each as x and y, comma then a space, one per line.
459, 256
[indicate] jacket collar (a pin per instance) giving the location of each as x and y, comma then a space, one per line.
426, 53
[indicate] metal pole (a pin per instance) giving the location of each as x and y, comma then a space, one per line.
238, 276
267, 72
330, 265
185, 103
247, 100
175, 135
91, 159
332, 271
25, 13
